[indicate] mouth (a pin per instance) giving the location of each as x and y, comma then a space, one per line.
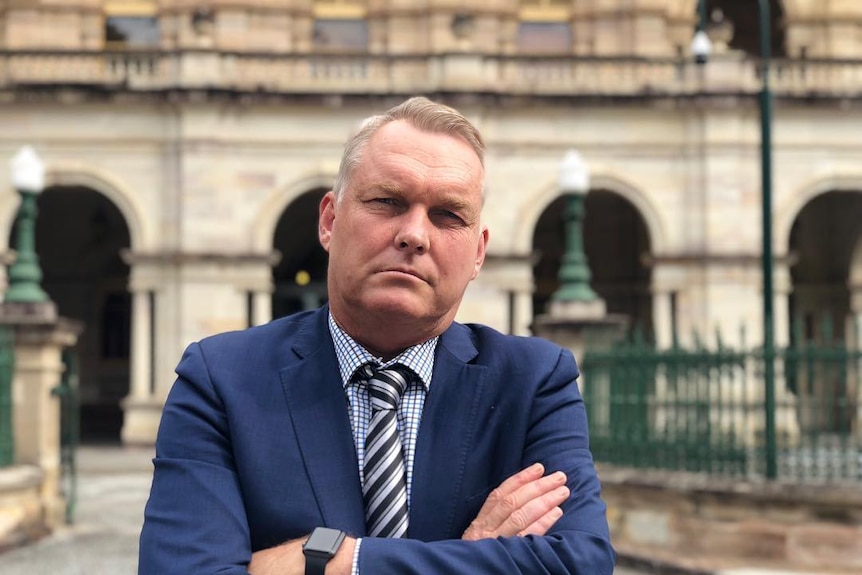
404, 272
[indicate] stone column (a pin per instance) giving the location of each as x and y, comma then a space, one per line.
782, 286
261, 307
501, 296
141, 360
40, 337
178, 298
142, 411
577, 314
667, 278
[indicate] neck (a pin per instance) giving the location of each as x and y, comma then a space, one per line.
386, 342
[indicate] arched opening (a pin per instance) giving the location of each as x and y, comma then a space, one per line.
822, 239
615, 241
740, 20
79, 235
300, 276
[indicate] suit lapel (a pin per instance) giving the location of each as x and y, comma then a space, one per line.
445, 436
318, 411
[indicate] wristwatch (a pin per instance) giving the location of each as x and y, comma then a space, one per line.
320, 547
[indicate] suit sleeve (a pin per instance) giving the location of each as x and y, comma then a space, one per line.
194, 521
579, 543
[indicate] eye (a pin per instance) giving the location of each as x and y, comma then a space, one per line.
384, 202
449, 218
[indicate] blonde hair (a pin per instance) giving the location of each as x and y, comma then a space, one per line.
421, 113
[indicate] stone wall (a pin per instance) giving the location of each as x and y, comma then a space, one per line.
702, 523
22, 516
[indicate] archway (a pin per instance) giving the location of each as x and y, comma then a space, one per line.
300, 276
822, 240
743, 18
79, 235
615, 241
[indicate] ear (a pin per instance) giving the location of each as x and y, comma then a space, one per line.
480, 252
326, 219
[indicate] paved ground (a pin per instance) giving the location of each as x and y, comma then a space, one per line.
112, 491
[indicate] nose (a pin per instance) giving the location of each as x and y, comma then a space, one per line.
412, 232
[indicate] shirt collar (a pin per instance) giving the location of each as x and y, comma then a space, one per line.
351, 356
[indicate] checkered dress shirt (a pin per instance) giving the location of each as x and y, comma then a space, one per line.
419, 358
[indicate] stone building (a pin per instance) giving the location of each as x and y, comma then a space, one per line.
188, 142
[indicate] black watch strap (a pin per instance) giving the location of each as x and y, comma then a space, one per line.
319, 548
315, 564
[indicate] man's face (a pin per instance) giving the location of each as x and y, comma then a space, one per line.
406, 237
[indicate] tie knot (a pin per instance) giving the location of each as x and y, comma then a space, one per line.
386, 386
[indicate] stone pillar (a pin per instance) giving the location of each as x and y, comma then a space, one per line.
782, 286
178, 298
577, 314
40, 337
501, 296
579, 326
667, 279
141, 360
261, 307
142, 411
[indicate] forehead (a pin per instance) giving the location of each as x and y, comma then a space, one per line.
399, 144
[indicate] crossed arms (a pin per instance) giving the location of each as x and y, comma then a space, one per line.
229, 489
525, 504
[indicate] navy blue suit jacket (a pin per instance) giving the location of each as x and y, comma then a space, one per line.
255, 448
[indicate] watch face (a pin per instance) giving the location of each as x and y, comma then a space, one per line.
324, 540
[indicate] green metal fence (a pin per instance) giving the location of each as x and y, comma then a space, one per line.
67, 392
7, 369
702, 409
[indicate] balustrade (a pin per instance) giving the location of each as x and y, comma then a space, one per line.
322, 73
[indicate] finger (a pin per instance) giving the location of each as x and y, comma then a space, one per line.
491, 515
544, 523
537, 515
513, 512
522, 478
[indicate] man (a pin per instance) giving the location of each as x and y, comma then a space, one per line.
375, 435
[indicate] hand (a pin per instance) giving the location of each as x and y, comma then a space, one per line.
287, 559
525, 504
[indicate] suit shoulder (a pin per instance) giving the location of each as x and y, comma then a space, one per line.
282, 330
512, 354
490, 341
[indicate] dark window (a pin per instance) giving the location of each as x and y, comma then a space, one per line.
544, 37
340, 34
132, 31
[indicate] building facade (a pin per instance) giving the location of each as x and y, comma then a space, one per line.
188, 143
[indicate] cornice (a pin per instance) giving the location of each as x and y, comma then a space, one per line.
185, 258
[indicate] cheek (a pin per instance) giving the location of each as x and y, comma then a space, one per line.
359, 243
459, 261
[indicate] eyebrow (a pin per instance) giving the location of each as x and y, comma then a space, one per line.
450, 200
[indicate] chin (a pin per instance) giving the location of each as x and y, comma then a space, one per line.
401, 306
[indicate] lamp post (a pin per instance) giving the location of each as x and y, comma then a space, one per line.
574, 274
766, 224
25, 275
701, 46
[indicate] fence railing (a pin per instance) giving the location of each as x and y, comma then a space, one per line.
7, 371
293, 73
67, 392
703, 410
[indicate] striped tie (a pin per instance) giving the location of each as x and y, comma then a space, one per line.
385, 487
